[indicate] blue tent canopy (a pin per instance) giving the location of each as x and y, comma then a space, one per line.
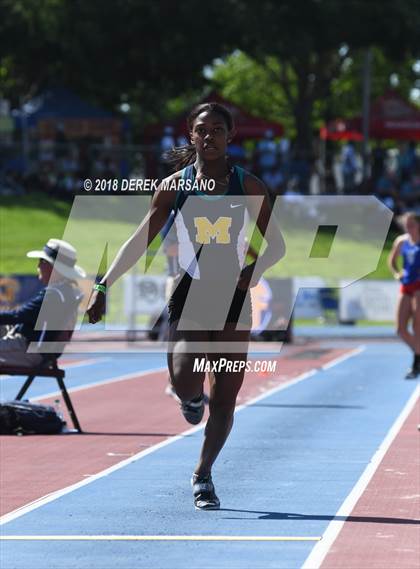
59, 103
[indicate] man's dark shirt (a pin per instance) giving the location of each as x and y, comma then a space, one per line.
56, 305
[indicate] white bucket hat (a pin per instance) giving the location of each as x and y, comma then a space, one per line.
63, 256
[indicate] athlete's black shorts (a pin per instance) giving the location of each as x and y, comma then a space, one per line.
240, 310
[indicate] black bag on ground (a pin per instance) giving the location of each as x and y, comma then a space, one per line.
23, 418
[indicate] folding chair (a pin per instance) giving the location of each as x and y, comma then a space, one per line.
47, 368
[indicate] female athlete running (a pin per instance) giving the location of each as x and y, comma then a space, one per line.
210, 307
407, 246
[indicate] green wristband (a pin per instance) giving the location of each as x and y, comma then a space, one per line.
100, 288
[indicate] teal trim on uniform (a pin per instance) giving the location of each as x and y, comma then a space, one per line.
238, 173
184, 176
241, 176
236, 186
204, 196
186, 172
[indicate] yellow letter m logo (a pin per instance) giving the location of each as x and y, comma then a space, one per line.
207, 230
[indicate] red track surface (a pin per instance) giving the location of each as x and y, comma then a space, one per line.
119, 419
391, 540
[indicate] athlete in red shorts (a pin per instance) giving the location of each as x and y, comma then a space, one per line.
407, 247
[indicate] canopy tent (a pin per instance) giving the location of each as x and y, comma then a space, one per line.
391, 117
77, 118
247, 126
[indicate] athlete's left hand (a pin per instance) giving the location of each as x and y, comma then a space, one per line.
249, 277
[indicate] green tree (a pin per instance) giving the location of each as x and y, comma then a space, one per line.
305, 37
386, 73
104, 49
252, 85
29, 36
255, 86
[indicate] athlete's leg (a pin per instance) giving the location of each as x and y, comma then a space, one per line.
416, 321
182, 352
224, 387
404, 314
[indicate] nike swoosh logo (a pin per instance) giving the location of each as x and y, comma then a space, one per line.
236, 205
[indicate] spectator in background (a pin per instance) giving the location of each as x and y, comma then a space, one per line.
407, 190
409, 193
300, 171
65, 185
274, 180
98, 165
139, 167
181, 140
407, 161
11, 184
266, 153
416, 182
378, 162
60, 141
284, 148
385, 188
84, 157
48, 179
237, 153
386, 184
167, 141
349, 167
110, 169
166, 144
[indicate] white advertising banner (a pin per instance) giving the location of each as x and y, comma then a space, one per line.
144, 294
272, 300
308, 300
368, 300
362, 300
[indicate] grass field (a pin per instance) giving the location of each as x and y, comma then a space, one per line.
28, 222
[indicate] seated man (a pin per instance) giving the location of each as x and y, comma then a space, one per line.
55, 306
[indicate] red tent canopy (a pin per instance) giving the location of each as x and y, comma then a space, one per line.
391, 117
247, 125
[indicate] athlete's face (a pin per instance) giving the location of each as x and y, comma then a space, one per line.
210, 135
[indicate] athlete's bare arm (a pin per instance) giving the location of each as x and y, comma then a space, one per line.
393, 256
261, 211
161, 206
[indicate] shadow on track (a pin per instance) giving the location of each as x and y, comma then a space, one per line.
317, 406
297, 517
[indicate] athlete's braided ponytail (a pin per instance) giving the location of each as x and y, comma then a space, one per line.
182, 156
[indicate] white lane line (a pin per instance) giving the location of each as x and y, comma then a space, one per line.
344, 357
158, 538
319, 552
85, 362
299, 378
59, 493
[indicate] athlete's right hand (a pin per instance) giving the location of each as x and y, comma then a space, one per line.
96, 306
